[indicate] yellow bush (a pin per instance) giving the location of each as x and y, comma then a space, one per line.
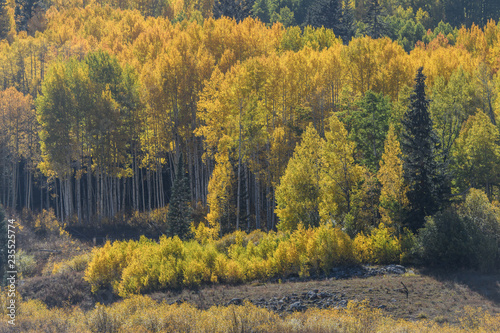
76, 264
329, 247
47, 222
138, 267
107, 264
142, 314
381, 247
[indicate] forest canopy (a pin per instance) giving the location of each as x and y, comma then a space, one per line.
282, 119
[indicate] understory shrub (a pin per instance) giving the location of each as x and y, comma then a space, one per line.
134, 267
465, 236
380, 247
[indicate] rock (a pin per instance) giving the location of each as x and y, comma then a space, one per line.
395, 269
297, 306
235, 301
342, 303
381, 306
312, 295
324, 294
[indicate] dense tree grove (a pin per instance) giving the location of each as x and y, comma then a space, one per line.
308, 113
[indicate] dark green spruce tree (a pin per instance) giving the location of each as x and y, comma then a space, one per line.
237, 9
25, 10
424, 173
4, 19
333, 14
179, 216
376, 26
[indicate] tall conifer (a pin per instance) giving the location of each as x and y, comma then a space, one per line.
374, 20
4, 19
423, 171
179, 215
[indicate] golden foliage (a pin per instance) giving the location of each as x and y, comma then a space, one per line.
135, 267
142, 314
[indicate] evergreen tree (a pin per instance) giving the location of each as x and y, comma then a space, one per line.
25, 10
179, 215
4, 19
374, 20
424, 173
237, 9
333, 14
326, 13
348, 22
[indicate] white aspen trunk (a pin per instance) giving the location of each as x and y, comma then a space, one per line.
148, 175
247, 172
143, 191
89, 192
78, 199
257, 203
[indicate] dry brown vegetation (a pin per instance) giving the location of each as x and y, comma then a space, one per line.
57, 299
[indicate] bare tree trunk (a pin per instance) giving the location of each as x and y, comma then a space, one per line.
148, 174
257, 202
247, 172
89, 191
143, 191
78, 199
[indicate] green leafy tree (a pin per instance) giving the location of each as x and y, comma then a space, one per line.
298, 194
341, 178
452, 103
179, 215
464, 236
477, 154
368, 126
393, 200
424, 173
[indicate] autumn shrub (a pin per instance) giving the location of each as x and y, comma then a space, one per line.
465, 236
76, 264
46, 222
380, 247
25, 264
329, 247
142, 266
107, 264
142, 314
